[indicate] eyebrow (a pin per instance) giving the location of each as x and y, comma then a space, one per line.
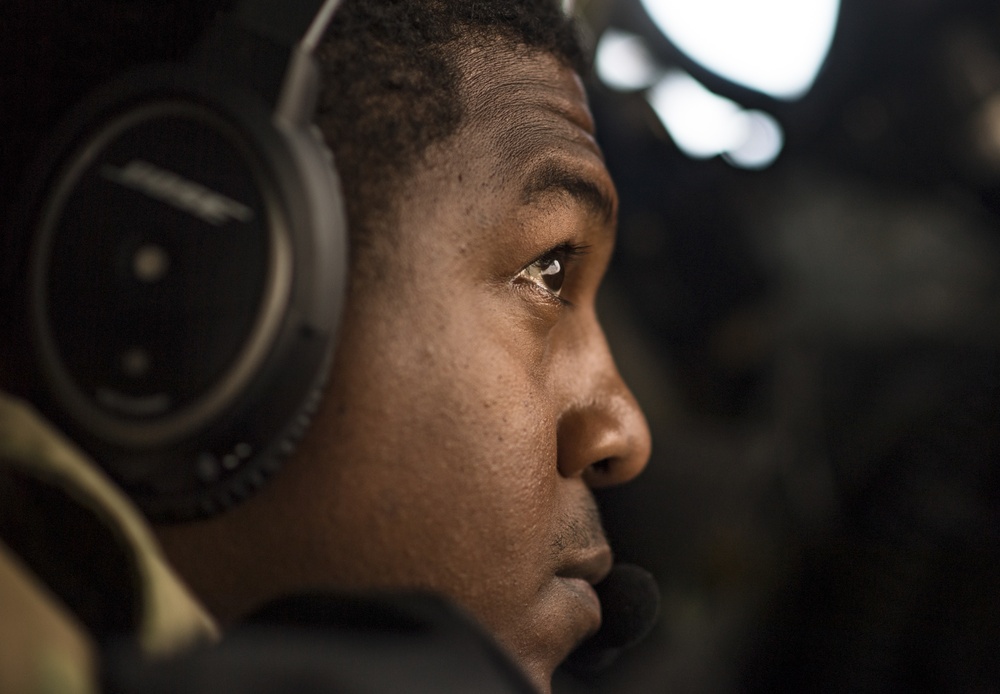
555, 177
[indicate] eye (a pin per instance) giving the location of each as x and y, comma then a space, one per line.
549, 271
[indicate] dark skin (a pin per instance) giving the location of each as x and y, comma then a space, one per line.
475, 402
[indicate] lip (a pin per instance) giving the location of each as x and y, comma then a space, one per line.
590, 565
581, 571
589, 604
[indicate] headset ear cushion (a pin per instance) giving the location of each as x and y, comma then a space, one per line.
254, 477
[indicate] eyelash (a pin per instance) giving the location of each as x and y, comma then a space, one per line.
562, 255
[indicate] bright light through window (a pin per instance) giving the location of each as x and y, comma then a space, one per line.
704, 125
700, 122
773, 46
764, 139
623, 62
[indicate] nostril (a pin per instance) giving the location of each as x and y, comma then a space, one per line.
601, 466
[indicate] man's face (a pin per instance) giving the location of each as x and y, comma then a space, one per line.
475, 402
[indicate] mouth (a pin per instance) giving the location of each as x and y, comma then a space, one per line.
591, 564
581, 572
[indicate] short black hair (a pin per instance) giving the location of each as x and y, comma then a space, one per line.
390, 89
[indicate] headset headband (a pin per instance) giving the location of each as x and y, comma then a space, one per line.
269, 46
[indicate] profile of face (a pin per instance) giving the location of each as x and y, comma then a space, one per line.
474, 401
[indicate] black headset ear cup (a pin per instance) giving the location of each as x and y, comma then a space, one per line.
186, 277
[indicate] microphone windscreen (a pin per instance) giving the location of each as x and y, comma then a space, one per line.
630, 604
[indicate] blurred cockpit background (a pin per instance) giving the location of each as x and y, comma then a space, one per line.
806, 300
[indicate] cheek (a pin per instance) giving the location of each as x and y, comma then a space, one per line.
478, 408
453, 439
469, 376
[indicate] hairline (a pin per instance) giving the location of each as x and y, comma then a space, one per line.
379, 229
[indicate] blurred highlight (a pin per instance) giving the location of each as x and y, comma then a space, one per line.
776, 47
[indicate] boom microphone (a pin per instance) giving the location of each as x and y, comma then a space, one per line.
630, 603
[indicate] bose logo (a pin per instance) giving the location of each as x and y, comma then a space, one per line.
205, 204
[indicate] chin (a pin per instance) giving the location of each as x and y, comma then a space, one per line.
540, 662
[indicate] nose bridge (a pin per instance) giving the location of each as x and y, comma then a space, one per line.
603, 434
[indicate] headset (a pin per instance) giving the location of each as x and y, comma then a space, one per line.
187, 264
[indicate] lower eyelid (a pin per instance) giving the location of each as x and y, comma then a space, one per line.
523, 282
539, 292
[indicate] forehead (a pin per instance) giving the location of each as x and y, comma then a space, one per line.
522, 97
523, 171
495, 68
529, 132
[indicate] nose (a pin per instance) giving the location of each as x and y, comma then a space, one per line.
602, 434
